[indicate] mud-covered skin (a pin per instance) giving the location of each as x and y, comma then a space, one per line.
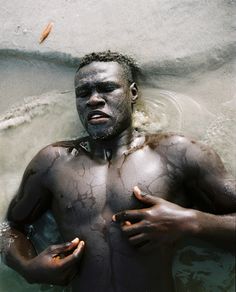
84, 192
86, 182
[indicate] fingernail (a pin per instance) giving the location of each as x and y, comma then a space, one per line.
75, 240
68, 244
137, 190
76, 252
114, 218
127, 223
78, 249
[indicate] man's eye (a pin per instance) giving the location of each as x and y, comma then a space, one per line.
82, 93
107, 88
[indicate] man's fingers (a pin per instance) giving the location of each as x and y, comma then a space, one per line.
134, 229
145, 198
78, 251
128, 215
127, 223
64, 247
131, 216
138, 239
74, 257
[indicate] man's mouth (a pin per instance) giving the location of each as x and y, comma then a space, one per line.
97, 117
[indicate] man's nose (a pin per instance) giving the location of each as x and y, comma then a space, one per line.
95, 100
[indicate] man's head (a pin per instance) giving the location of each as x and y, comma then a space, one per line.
105, 93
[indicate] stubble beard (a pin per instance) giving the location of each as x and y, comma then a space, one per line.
112, 131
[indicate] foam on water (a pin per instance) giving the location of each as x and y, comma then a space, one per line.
33, 106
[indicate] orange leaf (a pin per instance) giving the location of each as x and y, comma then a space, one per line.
46, 32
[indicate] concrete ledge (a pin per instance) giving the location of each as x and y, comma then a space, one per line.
151, 30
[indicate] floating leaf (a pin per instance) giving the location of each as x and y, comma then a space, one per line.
46, 32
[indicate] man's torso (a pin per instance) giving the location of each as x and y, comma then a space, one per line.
86, 193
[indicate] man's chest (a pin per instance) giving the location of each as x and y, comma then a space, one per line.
90, 187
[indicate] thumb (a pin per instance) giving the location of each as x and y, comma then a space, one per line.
144, 197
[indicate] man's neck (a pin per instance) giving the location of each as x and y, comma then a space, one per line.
108, 149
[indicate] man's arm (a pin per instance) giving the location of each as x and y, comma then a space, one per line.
58, 263
214, 193
210, 189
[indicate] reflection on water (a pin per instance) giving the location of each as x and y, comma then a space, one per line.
39, 120
221, 134
171, 111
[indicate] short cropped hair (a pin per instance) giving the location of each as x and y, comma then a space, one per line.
130, 66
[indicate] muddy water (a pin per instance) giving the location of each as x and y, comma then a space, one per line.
37, 108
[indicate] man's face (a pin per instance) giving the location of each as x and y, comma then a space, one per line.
104, 99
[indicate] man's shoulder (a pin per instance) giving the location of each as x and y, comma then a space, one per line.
185, 151
50, 153
167, 139
179, 146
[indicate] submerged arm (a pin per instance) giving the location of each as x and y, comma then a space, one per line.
58, 263
214, 192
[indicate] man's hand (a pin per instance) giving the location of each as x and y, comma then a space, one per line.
58, 264
160, 224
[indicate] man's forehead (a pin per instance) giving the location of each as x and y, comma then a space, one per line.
99, 70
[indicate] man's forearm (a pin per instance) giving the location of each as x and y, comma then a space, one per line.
218, 229
57, 264
18, 251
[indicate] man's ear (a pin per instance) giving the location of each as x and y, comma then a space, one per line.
133, 92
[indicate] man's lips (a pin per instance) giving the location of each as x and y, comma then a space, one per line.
97, 117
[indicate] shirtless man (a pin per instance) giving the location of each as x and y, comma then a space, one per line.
122, 200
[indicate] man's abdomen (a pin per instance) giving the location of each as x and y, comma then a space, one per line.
110, 264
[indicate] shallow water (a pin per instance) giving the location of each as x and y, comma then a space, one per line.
199, 104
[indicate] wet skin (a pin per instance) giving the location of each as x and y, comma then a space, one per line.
127, 236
